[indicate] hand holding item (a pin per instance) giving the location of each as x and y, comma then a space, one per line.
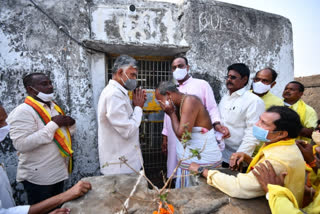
168, 107
237, 159
223, 129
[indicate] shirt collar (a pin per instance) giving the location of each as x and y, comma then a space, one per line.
119, 86
239, 92
187, 81
288, 105
45, 105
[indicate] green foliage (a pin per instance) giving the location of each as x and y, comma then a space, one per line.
195, 153
163, 197
186, 136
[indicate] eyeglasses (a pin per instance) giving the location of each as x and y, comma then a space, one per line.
230, 77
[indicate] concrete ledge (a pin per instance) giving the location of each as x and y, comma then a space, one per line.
140, 49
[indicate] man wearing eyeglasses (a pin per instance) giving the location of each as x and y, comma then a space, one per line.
264, 80
240, 110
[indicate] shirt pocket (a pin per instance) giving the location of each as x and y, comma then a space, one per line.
235, 116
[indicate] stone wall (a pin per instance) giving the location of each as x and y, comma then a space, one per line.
29, 42
212, 34
311, 93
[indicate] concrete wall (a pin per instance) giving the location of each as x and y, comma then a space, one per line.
212, 34
29, 42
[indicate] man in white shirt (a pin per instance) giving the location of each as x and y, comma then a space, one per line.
33, 127
118, 121
240, 110
7, 204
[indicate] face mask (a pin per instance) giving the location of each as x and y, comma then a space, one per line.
260, 88
260, 133
129, 84
316, 137
4, 131
180, 73
44, 97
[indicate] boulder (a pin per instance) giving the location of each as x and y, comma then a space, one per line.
109, 194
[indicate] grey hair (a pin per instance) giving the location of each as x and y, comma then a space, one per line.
165, 86
123, 61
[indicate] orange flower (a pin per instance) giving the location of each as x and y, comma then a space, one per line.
170, 210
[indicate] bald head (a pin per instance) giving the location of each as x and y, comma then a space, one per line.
268, 73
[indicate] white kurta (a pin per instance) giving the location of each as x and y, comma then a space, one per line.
118, 131
6, 196
239, 112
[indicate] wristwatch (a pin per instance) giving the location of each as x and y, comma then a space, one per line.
200, 170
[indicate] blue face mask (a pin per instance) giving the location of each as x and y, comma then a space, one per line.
260, 133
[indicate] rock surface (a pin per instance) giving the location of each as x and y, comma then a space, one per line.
311, 93
109, 193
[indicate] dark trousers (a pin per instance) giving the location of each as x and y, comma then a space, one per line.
37, 193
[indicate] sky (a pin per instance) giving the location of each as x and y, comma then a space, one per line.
305, 19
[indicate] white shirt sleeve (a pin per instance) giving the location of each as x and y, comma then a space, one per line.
117, 113
249, 142
25, 134
16, 210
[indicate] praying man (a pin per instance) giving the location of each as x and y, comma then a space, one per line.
187, 113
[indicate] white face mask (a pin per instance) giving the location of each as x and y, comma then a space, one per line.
44, 97
180, 73
316, 137
4, 131
260, 88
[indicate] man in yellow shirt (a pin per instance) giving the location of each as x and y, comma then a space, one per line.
281, 199
292, 98
278, 128
264, 80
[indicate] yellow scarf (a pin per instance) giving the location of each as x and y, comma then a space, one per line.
301, 110
264, 147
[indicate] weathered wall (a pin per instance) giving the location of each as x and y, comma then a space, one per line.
311, 93
221, 34
213, 35
29, 42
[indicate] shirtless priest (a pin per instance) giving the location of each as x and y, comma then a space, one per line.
188, 113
